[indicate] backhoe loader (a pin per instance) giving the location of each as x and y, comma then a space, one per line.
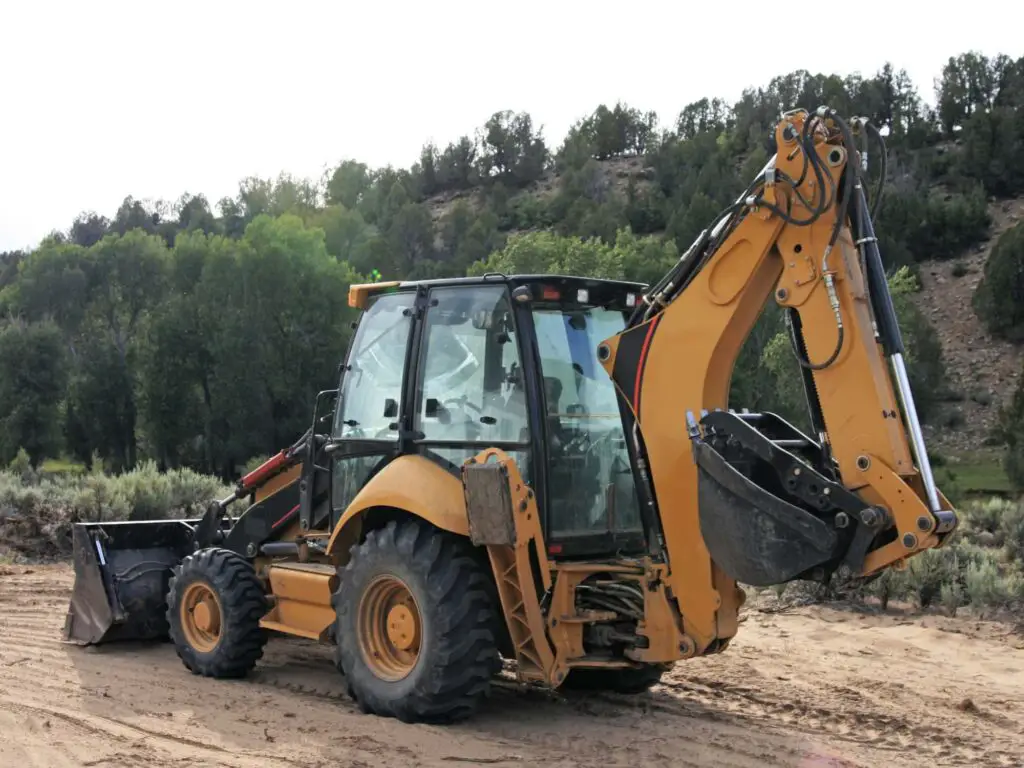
545, 469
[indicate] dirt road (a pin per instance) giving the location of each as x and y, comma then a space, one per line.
808, 688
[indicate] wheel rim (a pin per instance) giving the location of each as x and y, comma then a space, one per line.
201, 617
390, 628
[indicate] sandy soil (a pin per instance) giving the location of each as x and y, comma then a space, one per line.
810, 687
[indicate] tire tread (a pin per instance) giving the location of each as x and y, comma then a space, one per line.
243, 603
464, 657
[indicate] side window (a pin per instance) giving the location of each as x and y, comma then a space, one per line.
371, 387
471, 386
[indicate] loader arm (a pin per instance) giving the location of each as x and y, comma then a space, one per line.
746, 497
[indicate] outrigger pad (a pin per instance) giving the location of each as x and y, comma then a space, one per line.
122, 572
756, 537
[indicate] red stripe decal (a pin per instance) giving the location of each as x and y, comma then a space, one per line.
287, 514
640, 365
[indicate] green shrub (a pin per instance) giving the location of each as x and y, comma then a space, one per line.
959, 269
21, 464
36, 516
999, 298
1010, 433
253, 463
987, 586
981, 567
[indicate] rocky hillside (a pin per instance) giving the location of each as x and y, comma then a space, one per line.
982, 370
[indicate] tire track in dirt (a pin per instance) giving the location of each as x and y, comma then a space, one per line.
802, 690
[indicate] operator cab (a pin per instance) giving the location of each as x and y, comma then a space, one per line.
446, 368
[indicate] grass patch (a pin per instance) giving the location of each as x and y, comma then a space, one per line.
973, 474
61, 466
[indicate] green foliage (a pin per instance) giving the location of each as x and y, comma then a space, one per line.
21, 464
348, 184
607, 133
33, 381
1010, 433
630, 258
930, 224
999, 297
511, 150
925, 365
774, 374
196, 335
37, 514
980, 568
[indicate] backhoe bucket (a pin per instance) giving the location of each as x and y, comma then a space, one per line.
756, 537
122, 571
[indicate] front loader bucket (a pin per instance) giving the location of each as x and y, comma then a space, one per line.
122, 571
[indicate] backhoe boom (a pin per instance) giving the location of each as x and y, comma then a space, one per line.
749, 498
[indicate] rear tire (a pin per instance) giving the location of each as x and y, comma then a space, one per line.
214, 606
628, 681
415, 620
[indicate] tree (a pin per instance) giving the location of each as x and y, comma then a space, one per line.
704, 116
88, 229
511, 150
456, 167
993, 150
966, 87
348, 183
629, 257
428, 169
198, 336
31, 388
468, 237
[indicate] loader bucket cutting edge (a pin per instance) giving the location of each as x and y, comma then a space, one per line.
756, 537
122, 571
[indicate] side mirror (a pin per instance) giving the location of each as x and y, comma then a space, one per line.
390, 408
433, 408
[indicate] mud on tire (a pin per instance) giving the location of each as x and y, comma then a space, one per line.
237, 644
456, 653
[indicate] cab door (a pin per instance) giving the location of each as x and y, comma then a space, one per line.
471, 390
370, 410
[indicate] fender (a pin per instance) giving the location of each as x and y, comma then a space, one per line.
413, 484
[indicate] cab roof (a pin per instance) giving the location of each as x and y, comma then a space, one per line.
557, 288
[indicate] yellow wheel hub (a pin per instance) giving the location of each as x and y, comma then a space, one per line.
201, 617
389, 627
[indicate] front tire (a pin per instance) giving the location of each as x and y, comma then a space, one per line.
214, 606
415, 618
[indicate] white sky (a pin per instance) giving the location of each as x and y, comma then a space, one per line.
103, 99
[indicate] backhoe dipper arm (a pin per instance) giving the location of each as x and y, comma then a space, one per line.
748, 497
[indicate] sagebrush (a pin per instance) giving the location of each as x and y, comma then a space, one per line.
38, 511
982, 567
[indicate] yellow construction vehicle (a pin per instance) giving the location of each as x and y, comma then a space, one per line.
546, 469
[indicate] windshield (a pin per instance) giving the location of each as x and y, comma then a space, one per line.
371, 388
591, 488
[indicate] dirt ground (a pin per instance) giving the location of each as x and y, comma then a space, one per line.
809, 687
